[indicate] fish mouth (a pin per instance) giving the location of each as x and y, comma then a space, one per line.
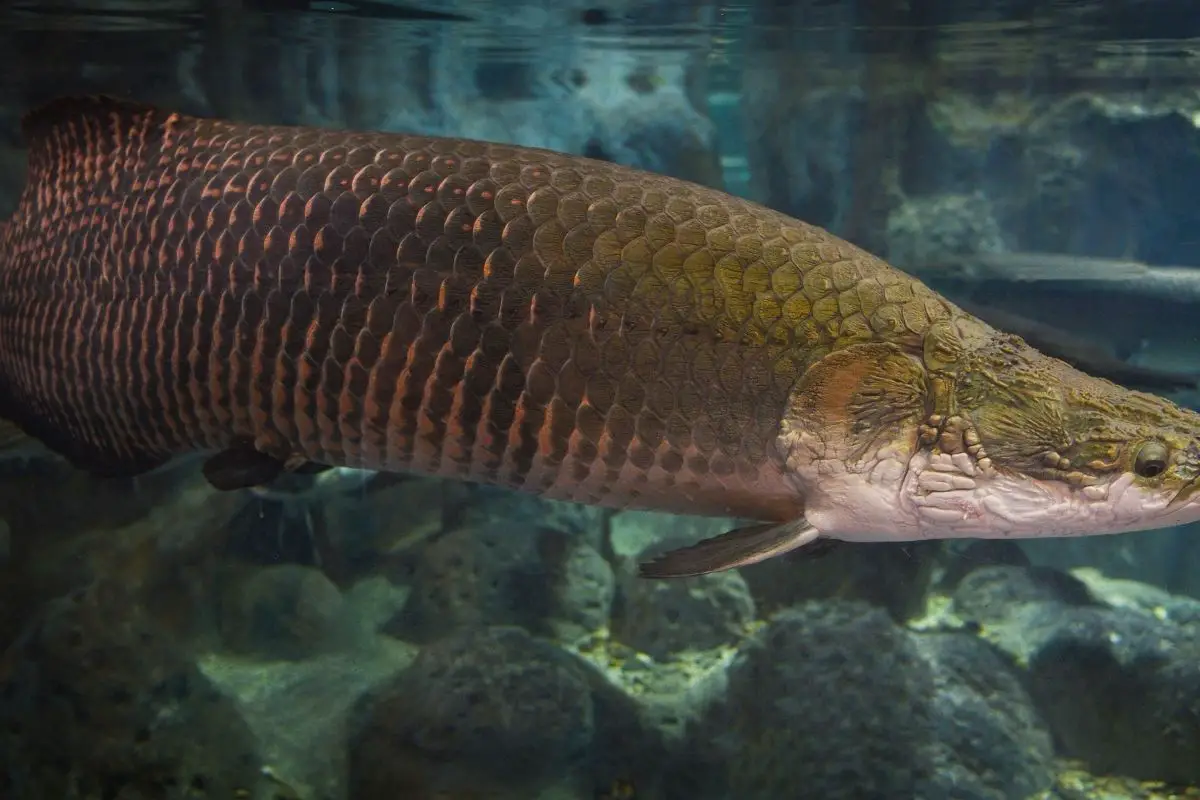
1184, 495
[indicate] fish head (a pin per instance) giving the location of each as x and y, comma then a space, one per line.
1066, 453
993, 440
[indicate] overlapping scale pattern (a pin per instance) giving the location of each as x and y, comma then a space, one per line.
444, 306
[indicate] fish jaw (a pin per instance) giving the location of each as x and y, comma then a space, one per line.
933, 496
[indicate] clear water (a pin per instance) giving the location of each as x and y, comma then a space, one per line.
362, 636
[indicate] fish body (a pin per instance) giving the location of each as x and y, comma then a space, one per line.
285, 297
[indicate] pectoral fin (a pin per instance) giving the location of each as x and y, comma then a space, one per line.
241, 468
736, 548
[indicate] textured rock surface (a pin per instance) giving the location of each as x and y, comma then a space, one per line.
1165, 558
97, 701
937, 229
299, 710
662, 618
829, 697
584, 590
989, 741
286, 612
483, 505
380, 531
894, 577
1119, 686
504, 573
485, 707
833, 696
994, 593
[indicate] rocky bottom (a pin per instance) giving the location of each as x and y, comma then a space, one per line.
508, 652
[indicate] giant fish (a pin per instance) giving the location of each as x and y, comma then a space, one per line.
278, 299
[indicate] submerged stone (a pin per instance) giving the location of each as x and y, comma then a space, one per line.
479, 708
1119, 687
834, 697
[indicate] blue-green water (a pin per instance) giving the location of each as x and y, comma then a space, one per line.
359, 636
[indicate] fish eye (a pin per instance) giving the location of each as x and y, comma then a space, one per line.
1151, 460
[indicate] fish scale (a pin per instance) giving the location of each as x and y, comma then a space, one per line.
490, 312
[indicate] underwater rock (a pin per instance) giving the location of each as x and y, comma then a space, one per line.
937, 229
96, 701
830, 696
1087, 171
478, 709
1164, 558
662, 618
1122, 692
835, 697
375, 601
157, 539
285, 612
628, 749
959, 559
299, 710
1141, 597
1072, 173
69, 528
53, 501
513, 573
374, 530
484, 505
892, 576
989, 742
990, 594
1119, 686
584, 590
